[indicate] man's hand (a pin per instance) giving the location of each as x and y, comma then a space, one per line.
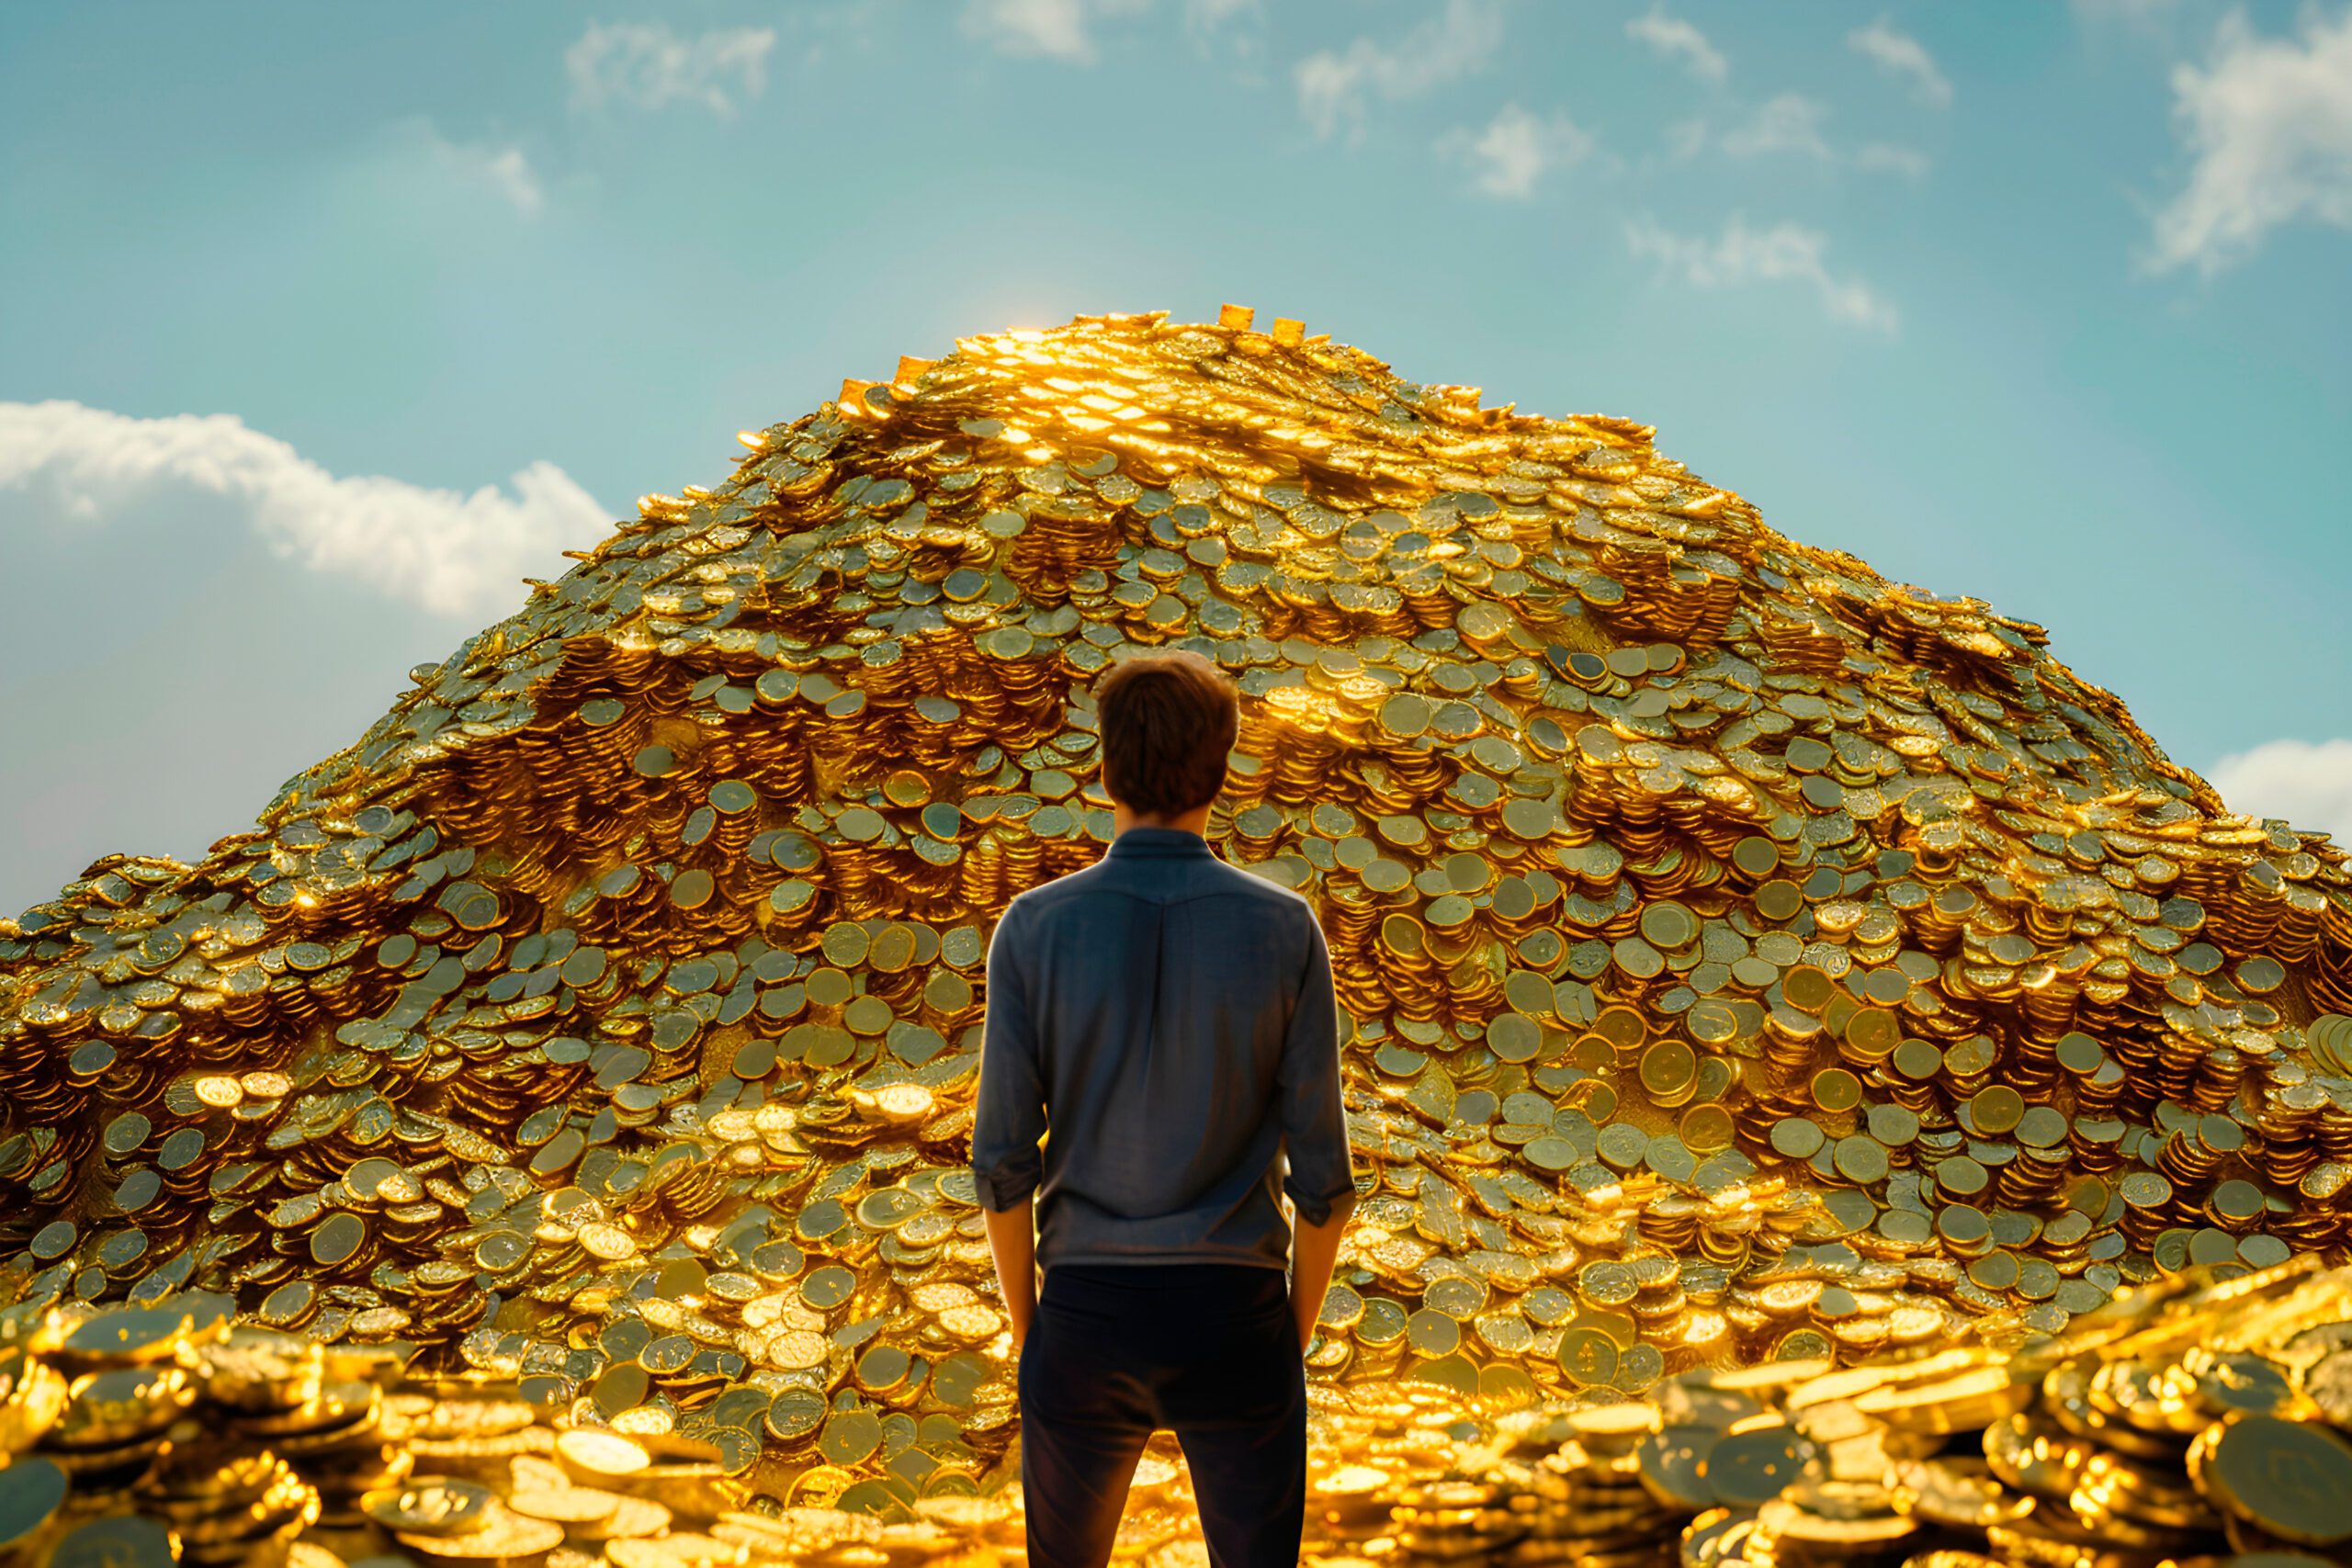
1314, 1250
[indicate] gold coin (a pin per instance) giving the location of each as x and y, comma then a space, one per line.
1749, 1468
1589, 1356
2288, 1477
565, 1506
592, 1458
438, 1505
129, 1542
220, 1091
1836, 1090
1796, 1138
1667, 1067
1668, 926
31, 1491
1997, 1110
1860, 1158
1706, 1128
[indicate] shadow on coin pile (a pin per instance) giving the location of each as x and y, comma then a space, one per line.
1744, 959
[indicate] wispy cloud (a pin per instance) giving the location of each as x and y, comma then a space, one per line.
1786, 251
648, 66
1793, 123
1051, 29
510, 173
1334, 86
1234, 30
447, 553
1517, 148
2268, 121
1789, 122
2307, 785
1900, 54
501, 168
1677, 40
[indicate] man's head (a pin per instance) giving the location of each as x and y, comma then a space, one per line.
1169, 720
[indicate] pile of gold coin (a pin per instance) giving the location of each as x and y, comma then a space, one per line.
2185, 1420
133, 1437
2198, 1420
1745, 961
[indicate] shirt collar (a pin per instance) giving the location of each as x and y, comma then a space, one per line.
1158, 841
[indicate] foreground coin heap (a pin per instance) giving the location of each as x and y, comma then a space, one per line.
1745, 958
2201, 1416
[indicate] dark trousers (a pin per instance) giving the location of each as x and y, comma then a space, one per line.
1206, 1351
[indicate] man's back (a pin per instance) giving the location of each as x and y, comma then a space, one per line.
1176, 1015
1172, 1017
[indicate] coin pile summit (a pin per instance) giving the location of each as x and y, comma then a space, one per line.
1745, 960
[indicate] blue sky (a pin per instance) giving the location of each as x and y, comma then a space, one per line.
322, 326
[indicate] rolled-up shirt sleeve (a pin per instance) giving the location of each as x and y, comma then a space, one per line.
1314, 1127
1009, 1114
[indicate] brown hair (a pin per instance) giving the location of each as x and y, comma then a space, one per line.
1169, 720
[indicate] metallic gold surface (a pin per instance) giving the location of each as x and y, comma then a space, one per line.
1744, 959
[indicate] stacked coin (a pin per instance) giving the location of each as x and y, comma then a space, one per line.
166, 1433
1745, 958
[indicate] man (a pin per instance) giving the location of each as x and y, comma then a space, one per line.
1172, 1019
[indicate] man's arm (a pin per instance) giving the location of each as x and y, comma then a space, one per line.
1008, 1118
1321, 1183
1013, 1238
1314, 1248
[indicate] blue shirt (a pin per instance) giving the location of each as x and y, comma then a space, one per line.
1170, 1017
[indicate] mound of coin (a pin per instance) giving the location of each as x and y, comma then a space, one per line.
1744, 959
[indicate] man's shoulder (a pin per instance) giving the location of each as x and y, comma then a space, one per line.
1209, 877
1231, 879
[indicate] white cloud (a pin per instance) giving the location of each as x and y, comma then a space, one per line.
1518, 149
1788, 123
1676, 38
2269, 123
510, 172
1333, 85
2309, 786
504, 170
1056, 29
1909, 162
449, 554
1741, 255
1902, 55
647, 66
409, 160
